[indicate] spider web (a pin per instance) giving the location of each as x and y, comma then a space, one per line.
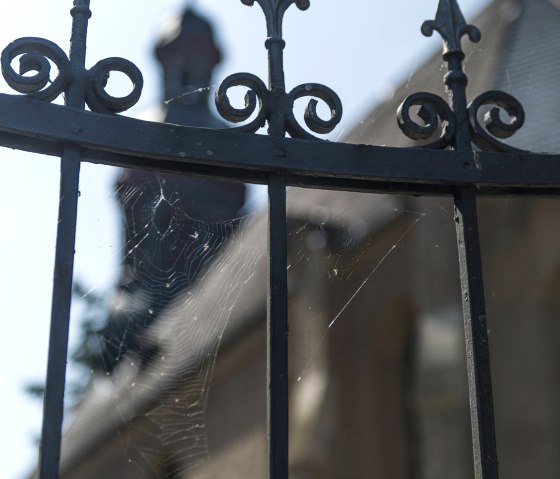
180, 281
188, 290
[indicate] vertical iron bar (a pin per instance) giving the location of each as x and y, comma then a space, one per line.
60, 316
53, 406
275, 47
277, 314
474, 306
277, 332
476, 336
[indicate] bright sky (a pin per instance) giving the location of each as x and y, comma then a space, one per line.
359, 48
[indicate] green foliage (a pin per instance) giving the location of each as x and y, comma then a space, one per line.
86, 355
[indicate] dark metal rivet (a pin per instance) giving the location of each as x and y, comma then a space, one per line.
279, 153
75, 128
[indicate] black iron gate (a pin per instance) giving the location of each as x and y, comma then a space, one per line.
466, 159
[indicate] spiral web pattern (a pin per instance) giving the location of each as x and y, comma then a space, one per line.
181, 285
203, 286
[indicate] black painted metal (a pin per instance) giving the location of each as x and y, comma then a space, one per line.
40, 127
64, 262
80, 86
276, 108
459, 134
460, 122
476, 335
60, 315
277, 331
35, 54
275, 104
490, 167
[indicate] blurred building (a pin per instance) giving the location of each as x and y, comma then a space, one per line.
162, 212
377, 373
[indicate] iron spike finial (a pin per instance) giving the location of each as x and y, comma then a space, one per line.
460, 125
275, 104
451, 25
274, 12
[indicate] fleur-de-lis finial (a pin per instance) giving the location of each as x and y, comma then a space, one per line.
274, 12
451, 25
459, 124
275, 104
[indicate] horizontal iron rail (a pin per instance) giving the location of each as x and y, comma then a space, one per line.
40, 127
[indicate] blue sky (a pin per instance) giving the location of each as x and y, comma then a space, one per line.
359, 48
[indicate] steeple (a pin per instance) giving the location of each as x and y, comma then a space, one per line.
187, 53
173, 224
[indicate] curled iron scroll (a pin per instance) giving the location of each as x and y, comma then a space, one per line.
436, 115
35, 54
273, 104
486, 136
256, 91
312, 119
97, 97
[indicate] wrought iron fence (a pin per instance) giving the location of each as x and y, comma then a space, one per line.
460, 155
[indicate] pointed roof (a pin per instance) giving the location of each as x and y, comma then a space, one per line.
188, 36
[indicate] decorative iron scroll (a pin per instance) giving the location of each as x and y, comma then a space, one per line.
484, 136
36, 55
435, 113
275, 105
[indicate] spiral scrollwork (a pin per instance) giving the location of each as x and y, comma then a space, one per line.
312, 119
37, 54
485, 136
97, 97
435, 114
257, 91
275, 105
280, 104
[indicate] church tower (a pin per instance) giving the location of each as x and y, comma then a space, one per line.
173, 224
